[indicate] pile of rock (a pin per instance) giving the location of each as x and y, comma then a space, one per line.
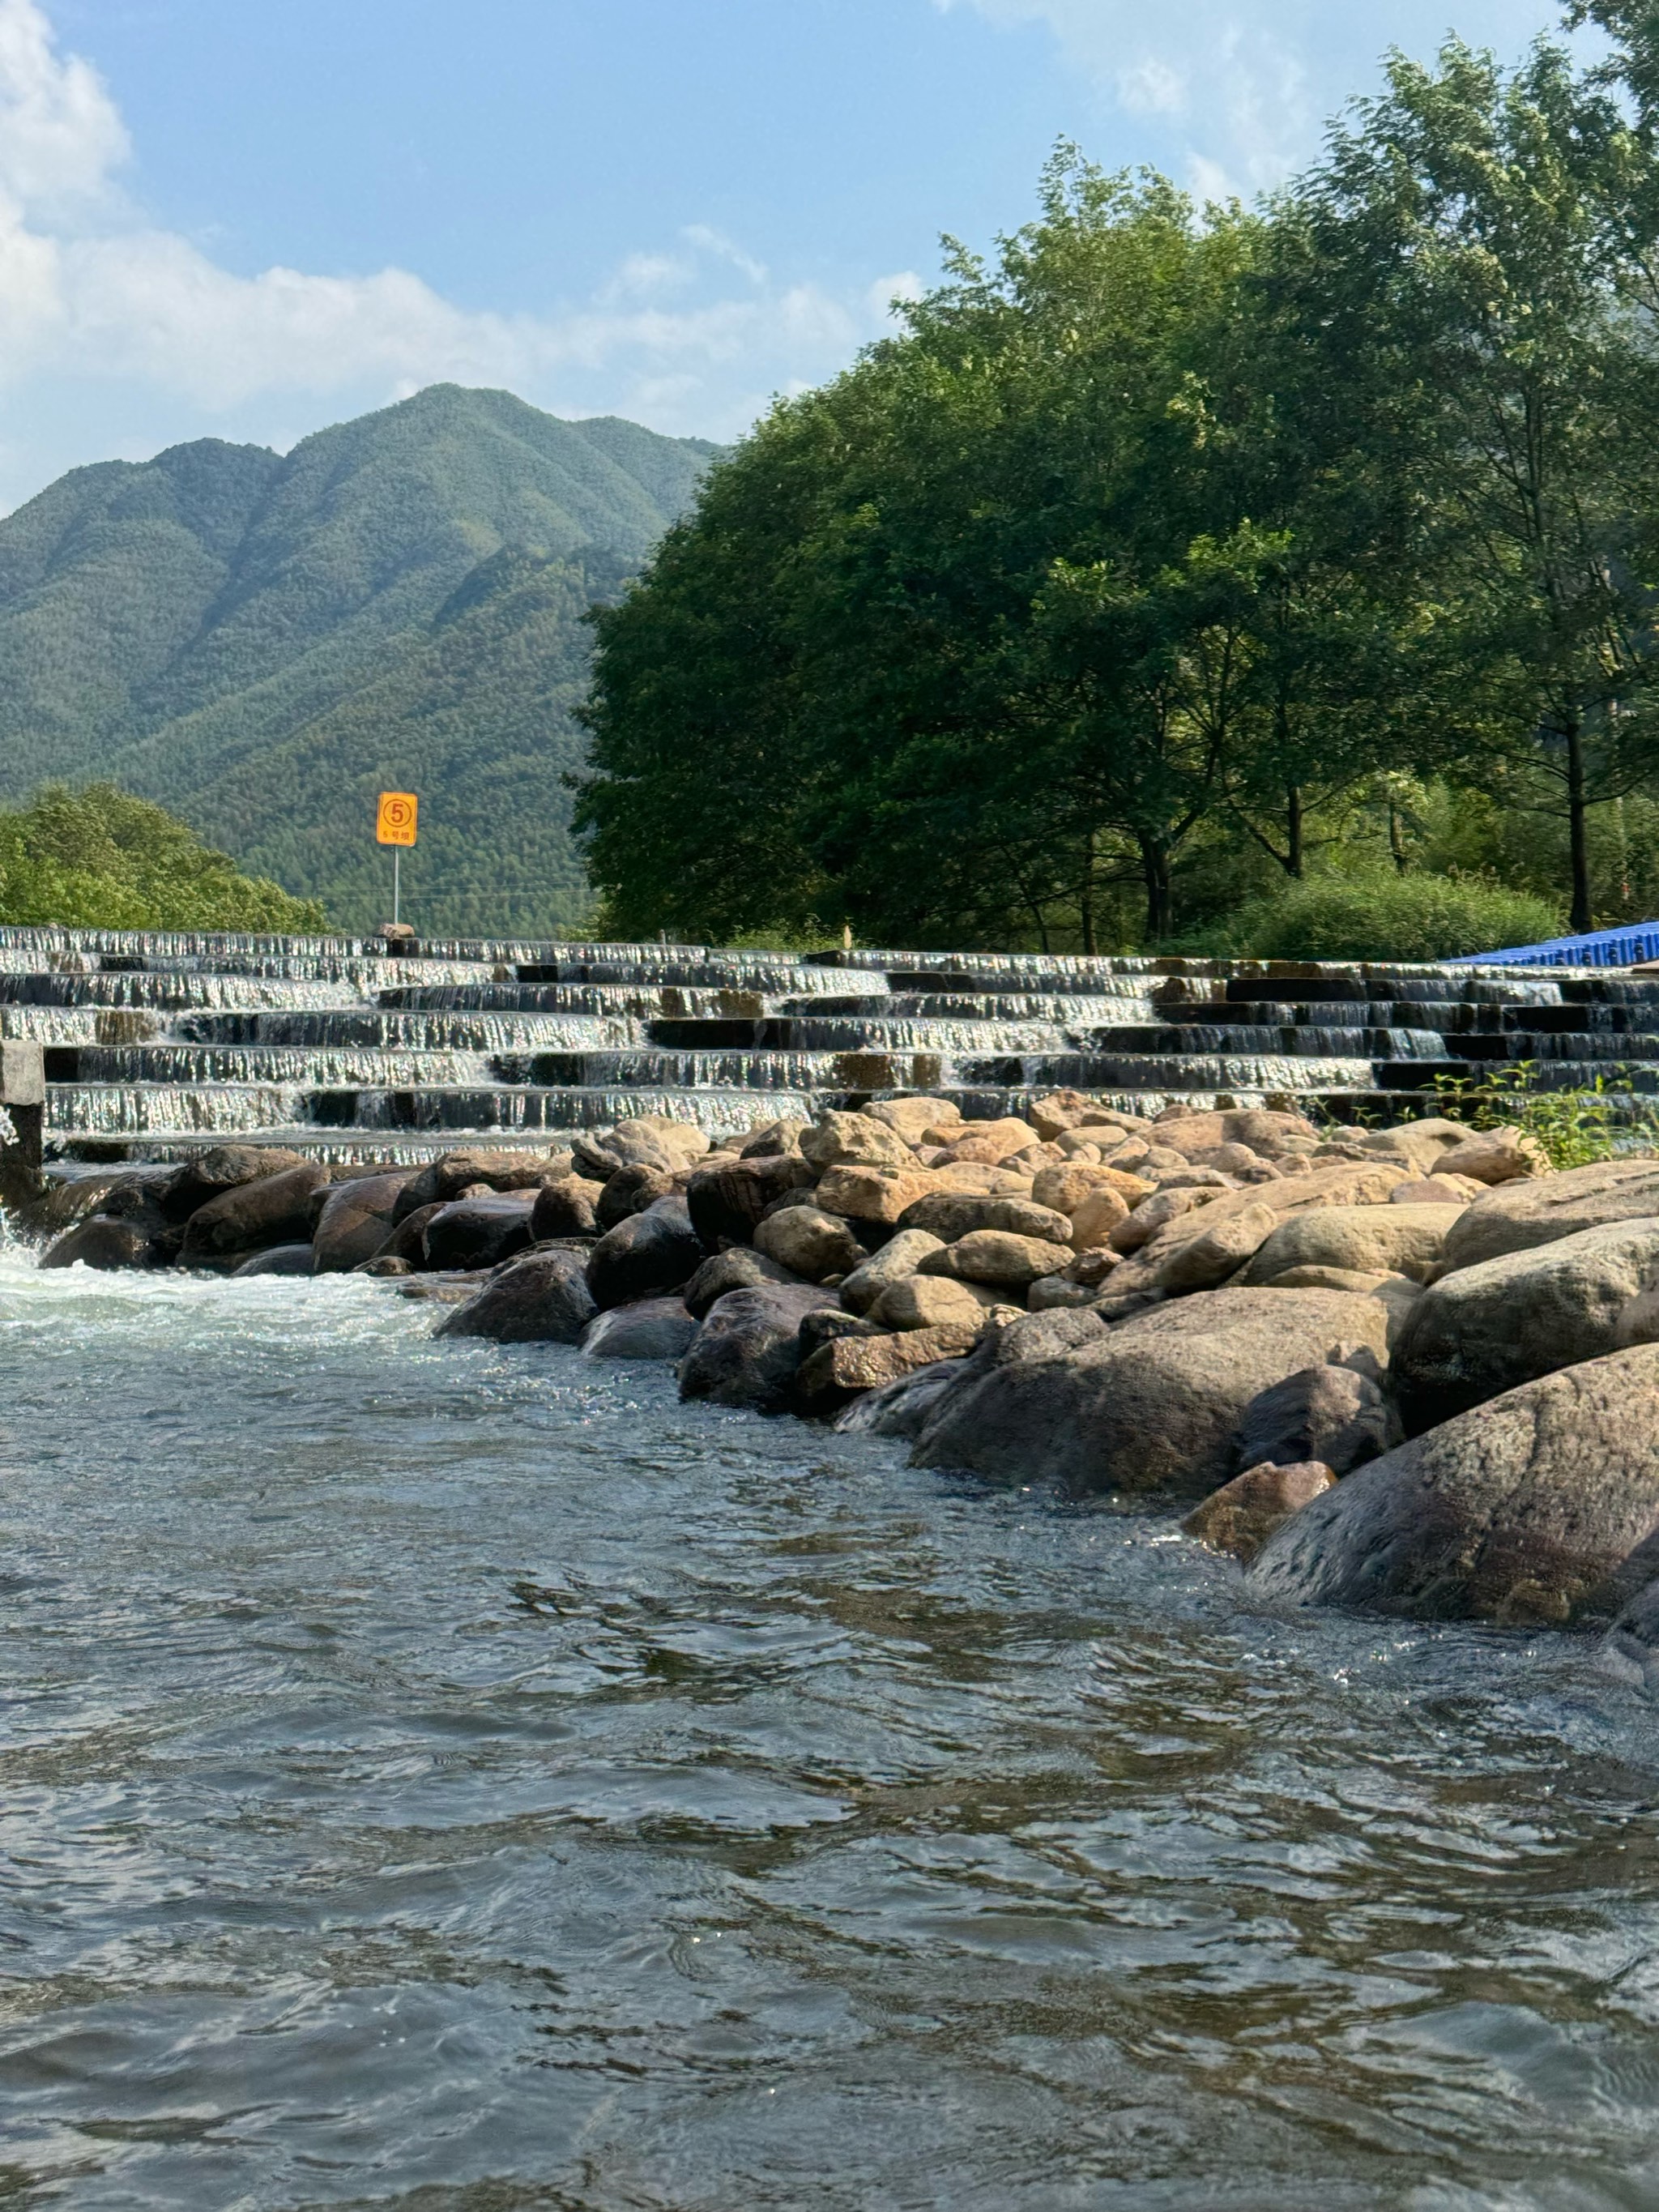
1409, 1368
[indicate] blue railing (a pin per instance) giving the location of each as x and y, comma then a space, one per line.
1601, 948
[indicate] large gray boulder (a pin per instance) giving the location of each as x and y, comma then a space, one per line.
541, 1298
645, 1256
1493, 1325
207, 1175
748, 1350
1537, 1507
1153, 1404
1519, 1216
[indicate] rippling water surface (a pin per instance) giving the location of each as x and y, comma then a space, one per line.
445, 1776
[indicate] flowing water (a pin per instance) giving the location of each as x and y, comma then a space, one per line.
459, 1778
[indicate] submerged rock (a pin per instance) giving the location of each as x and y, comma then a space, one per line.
281, 1259
899, 1408
103, 1242
1541, 1506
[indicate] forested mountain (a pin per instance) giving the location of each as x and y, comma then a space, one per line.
261, 642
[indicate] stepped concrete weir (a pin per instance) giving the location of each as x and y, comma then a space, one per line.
348, 1048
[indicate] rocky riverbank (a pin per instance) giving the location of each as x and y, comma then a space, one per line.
1411, 1369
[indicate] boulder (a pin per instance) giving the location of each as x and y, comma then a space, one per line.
738, 1269
541, 1298
252, 1216
1150, 1405
480, 1232
1333, 1414
281, 1259
997, 1255
899, 1258
748, 1349
1239, 1518
727, 1201
926, 1301
911, 1118
1422, 1145
1363, 1283
63, 1202
630, 1190
647, 1256
1369, 1240
408, 1240
880, 1195
567, 1207
1630, 1649
448, 1176
1436, 1190
1097, 1222
105, 1242
809, 1242
1066, 1188
850, 1363
1541, 1506
951, 1215
382, 1265
355, 1221
1216, 1253
856, 1141
1488, 1329
1055, 1292
652, 1328
1495, 1155
1519, 1216
1264, 1129
900, 1408
209, 1174
828, 1323
987, 1142
1347, 1183
775, 1137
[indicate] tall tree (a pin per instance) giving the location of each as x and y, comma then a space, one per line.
1480, 231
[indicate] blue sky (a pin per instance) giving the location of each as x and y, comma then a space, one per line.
248, 218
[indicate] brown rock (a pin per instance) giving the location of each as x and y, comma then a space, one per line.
1128, 1232
729, 1198
448, 1176
997, 1255
897, 1260
1377, 1240
854, 1139
810, 1243
1436, 1190
912, 1118
1209, 1259
355, 1221
989, 1141
207, 1175
567, 1207
1239, 1518
1495, 1156
272, 1209
865, 1194
929, 1300
953, 1214
866, 1362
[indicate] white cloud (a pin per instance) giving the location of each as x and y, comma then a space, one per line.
91, 293
1235, 73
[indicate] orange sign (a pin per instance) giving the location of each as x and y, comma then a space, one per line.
394, 824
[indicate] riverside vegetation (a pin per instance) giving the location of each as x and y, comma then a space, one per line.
1409, 1368
1273, 581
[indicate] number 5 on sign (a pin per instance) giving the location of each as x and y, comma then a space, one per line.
394, 822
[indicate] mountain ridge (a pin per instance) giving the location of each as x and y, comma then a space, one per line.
183, 625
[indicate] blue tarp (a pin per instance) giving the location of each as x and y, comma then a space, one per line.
1602, 948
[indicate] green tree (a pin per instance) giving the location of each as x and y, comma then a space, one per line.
1482, 238
100, 858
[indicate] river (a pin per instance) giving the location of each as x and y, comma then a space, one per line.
459, 1778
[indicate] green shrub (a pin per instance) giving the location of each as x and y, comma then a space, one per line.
100, 858
1388, 917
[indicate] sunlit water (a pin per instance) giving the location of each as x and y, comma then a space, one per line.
459, 1778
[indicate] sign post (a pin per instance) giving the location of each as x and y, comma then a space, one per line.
394, 825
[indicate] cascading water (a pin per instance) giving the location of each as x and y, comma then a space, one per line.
159, 1040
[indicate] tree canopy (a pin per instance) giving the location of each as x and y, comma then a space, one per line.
1167, 554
